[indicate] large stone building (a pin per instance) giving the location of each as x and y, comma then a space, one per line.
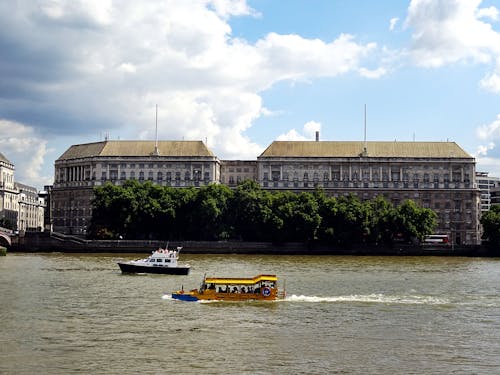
83, 166
436, 175
19, 203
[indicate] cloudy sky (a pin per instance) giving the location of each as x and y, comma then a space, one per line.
240, 74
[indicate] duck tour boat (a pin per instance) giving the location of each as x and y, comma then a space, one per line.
163, 261
260, 287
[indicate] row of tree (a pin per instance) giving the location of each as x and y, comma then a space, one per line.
215, 212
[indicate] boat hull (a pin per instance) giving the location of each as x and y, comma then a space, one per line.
195, 295
134, 268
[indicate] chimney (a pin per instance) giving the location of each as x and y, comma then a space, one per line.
317, 136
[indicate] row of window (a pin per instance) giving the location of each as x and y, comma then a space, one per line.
196, 176
276, 176
149, 165
365, 184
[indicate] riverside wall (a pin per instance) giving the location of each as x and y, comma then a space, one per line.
54, 242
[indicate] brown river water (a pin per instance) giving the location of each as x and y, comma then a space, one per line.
76, 313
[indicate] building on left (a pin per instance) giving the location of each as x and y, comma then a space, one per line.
84, 166
22, 205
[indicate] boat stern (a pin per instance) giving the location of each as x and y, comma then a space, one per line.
182, 296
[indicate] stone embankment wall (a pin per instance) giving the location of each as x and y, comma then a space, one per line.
53, 242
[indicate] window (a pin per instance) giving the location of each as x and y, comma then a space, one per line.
159, 176
141, 176
197, 174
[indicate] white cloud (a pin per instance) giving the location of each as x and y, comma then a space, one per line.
393, 22
491, 82
226, 8
482, 150
292, 135
96, 12
86, 67
490, 12
21, 146
489, 131
449, 31
376, 73
309, 133
127, 68
490, 165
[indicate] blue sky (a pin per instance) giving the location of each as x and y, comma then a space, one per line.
240, 74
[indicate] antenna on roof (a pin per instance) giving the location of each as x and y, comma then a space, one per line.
156, 152
365, 151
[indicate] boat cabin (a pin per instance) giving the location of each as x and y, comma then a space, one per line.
253, 285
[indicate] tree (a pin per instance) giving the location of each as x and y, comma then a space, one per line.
250, 211
6, 223
413, 221
383, 220
491, 225
210, 218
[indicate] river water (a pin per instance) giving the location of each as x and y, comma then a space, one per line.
67, 313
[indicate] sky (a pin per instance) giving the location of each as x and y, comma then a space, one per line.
240, 74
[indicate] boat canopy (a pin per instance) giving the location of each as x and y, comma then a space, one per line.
240, 281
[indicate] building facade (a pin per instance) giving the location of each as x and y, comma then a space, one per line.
436, 175
84, 166
233, 172
8, 192
19, 203
490, 189
31, 208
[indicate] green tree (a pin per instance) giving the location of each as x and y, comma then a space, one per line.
250, 211
210, 219
491, 225
383, 220
413, 221
294, 217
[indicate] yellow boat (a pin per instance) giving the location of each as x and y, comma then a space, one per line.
260, 287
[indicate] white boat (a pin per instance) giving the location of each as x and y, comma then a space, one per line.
162, 261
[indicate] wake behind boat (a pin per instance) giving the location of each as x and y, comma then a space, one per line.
161, 261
